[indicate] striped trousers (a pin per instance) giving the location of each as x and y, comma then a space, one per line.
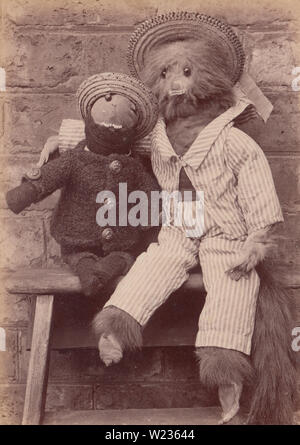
227, 319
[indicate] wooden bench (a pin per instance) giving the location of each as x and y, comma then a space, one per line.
46, 285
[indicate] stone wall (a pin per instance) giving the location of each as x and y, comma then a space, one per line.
48, 47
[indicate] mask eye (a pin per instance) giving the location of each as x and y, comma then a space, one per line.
163, 73
187, 71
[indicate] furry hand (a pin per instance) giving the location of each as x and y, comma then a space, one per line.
255, 249
50, 147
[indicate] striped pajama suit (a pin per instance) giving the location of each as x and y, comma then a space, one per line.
239, 198
227, 319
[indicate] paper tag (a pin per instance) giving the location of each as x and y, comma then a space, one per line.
249, 88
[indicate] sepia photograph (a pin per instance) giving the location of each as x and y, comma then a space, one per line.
150, 215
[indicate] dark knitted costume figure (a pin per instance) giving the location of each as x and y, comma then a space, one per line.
117, 110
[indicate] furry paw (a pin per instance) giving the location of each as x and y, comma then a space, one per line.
255, 249
110, 350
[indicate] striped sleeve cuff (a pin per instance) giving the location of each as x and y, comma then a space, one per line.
143, 147
71, 132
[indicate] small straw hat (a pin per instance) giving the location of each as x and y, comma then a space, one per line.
176, 26
100, 85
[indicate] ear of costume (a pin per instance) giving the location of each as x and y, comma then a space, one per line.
183, 25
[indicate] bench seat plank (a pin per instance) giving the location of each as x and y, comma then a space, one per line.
39, 281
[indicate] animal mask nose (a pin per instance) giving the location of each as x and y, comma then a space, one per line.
176, 85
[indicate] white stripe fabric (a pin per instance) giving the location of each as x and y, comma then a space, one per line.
229, 167
186, 214
257, 196
158, 272
227, 319
239, 198
71, 132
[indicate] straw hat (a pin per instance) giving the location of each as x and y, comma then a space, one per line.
100, 85
176, 26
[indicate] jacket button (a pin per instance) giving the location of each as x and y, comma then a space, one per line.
107, 234
34, 173
115, 166
173, 159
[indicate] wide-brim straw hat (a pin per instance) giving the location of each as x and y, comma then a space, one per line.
100, 85
176, 26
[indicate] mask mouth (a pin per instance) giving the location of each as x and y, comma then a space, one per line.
111, 126
177, 92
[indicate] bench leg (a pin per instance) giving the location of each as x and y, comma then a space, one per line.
37, 378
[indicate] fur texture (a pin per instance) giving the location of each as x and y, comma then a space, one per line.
191, 79
207, 87
272, 356
271, 372
114, 321
219, 366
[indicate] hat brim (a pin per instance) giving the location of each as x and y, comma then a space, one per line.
181, 26
99, 85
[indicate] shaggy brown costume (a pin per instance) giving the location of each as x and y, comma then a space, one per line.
193, 88
209, 94
273, 400
271, 368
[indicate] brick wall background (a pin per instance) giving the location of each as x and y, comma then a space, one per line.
47, 49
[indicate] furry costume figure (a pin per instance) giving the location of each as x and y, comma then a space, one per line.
193, 83
192, 73
116, 109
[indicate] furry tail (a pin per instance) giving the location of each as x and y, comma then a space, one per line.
272, 355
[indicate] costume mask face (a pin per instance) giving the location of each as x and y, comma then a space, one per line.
184, 74
111, 121
114, 112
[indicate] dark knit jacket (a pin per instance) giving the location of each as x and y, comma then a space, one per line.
81, 175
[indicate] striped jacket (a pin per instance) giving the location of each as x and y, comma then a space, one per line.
229, 167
